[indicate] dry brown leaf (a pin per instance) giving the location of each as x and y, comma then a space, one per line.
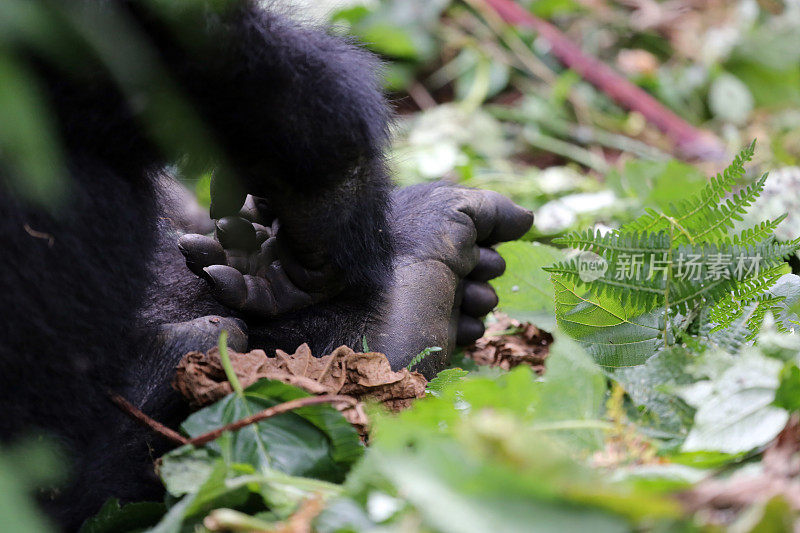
508, 343
201, 379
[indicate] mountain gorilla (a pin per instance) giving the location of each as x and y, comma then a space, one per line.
96, 293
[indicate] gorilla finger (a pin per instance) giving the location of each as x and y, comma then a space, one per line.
479, 298
237, 233
201, 251
490, 265
511, 220
458, 298
469, 330
273, 295
227, 285
239, 260
262, 232
496, 218
288, 297
227, 194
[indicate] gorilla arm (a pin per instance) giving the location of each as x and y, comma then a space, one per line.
304, 125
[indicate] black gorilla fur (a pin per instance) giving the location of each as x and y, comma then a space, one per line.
96, 295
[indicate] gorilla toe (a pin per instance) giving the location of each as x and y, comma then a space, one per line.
479, 299
490, 265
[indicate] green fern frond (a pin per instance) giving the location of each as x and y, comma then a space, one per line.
422, 355
642, 272
696, 211
713, 224
719, 186
614, 243
759, 232
744, 294
683, 263
765, 304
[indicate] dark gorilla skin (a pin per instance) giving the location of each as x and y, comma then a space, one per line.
441, 236
106, 301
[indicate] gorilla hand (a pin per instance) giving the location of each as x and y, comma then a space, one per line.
250, 270
441, 271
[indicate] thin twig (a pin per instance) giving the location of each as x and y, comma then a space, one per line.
691, 141
284, 407
136, 414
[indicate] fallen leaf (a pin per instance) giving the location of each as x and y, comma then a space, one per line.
508, 343
201, 379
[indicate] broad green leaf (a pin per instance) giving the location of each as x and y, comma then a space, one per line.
342, 515
571, 394
235, 486
734, 408
455, 496
565, 406
212, 493
116, 518
315, 441
650, 386
401, 29
770, 87
29, 145
656, 183
613, 334
788, 394
525, 291
390, 41
444, 379
24, 467
773, 516
183, 470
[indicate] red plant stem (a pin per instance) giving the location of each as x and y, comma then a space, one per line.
136, 414
690, 141
281, 408
169, 434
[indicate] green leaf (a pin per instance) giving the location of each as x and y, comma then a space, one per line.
24, 467
29, 144
773, 516
343, 515
212, 493
686, 262
788, 394
525, 291
573, 391
734, 408
314, 441
116, 518
614, 334
651, 387
656, 183
444, 379
770, 87
183, 470
456, 495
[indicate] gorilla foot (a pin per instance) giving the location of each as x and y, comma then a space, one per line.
443, 266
